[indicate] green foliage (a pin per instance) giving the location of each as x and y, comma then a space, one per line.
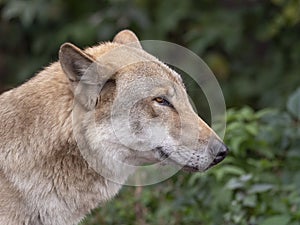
257, 184
251, 46
294, 104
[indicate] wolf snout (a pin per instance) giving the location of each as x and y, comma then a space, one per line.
220, 150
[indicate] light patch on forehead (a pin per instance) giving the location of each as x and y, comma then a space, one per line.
171, 92
123, 55
171, 74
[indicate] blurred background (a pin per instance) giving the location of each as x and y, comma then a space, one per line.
253, 48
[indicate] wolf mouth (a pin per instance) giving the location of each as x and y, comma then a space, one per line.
166, 156
162, 154
190, 169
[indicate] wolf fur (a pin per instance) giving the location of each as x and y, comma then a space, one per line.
46, 177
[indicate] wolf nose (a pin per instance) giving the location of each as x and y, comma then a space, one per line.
220, 151
221, 154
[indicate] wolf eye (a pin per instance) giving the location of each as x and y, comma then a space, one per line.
163, 101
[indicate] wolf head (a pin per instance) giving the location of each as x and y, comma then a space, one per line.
130, 108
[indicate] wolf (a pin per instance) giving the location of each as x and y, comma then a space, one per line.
71, 135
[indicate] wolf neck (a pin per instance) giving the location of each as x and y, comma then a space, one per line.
37, 120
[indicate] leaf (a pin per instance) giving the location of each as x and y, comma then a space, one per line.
234, 184
293, 104
277, 220
266, 113
252, 128
246, 177
228, 169
259, 188
233, 170
250, 201
247, 113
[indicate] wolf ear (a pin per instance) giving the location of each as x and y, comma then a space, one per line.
127, 37
84, 74
74, 61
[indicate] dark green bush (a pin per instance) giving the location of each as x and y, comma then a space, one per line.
252, 46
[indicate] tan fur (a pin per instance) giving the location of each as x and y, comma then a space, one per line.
45, 178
